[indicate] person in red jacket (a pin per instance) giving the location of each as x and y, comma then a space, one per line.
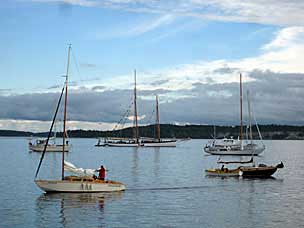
102, 173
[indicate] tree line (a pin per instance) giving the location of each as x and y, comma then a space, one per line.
177, 131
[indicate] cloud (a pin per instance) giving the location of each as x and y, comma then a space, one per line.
282, 12
88, 65
151, 25
271, 93
289, 36
84, 3
43, 126
98, 88
134, 29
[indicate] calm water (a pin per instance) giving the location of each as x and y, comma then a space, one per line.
166, 188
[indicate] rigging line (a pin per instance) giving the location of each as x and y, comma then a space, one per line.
50, 131
122, 118
257, 126
76, 64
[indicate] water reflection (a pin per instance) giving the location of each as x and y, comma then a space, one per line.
73, 209
135, 165
156, 161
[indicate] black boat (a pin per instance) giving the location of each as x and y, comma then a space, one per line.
261, 170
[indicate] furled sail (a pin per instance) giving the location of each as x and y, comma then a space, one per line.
68, 166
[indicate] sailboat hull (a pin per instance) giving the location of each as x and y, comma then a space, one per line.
79, 186
49, 148
244, 152
258, 171
160, 144
123, 144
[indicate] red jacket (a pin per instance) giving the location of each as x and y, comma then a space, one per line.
102, 173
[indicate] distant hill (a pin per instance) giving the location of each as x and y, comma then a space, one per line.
177, 131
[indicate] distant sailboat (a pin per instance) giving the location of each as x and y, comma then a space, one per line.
125, 142
72, 183
158, 142
236, 147
39, 144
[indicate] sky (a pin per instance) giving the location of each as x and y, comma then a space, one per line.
189, 52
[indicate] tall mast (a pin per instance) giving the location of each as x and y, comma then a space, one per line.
157, 120
241, 108
65, 112
249, 114
135, 110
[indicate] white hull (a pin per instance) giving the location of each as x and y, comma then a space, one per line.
123, 144
160, 144
79, 186
255, 151
49, 148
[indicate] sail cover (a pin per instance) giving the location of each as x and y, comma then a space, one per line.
68, 166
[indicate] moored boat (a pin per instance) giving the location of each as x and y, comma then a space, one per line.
260, 170
225, 172
39, 145
125, 142
239, 146
158, 141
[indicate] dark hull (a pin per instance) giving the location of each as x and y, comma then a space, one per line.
258, 171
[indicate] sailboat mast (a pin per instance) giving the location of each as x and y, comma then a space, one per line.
241, 109
135, 110
65, 113
157, 119
249, 114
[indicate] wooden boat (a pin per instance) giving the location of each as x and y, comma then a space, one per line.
260, 171
126, 142
80, 184
72, 183
158, 141
239, 146
225, 172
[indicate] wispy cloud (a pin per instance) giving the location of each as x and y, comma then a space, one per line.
135, 29
85, 3
276, 12
151, 25
287, 37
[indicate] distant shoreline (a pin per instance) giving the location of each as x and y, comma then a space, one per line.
269, 132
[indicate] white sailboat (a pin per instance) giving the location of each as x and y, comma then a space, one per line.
52, 146
125, 142
72, 183
239, 146
158, 141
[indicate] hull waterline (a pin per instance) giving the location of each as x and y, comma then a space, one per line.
222, 173
159, 144
79, 186
50, 148
122, 144
243, 152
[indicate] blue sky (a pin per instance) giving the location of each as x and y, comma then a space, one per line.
182, 43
